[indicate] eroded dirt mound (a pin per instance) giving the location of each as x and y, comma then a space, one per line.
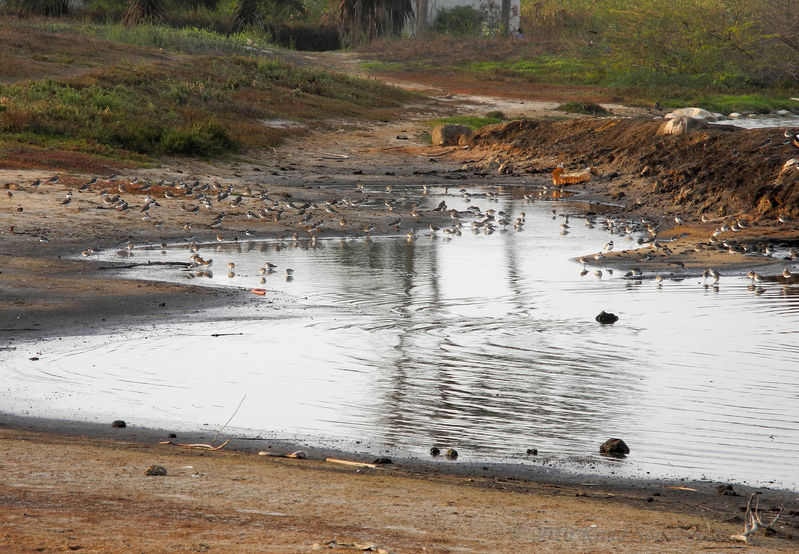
720, 170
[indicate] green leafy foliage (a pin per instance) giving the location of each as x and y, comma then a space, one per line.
590, 108
472, 122
193, 105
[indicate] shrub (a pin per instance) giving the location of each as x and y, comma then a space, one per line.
302, 36
460, 21
583, 107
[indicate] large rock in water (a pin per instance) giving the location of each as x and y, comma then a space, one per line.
606, 318
681, 126
614, 447
696, 113
451, 135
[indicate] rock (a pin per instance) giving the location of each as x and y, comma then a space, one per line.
155, 470
381, 461
451, 453
726, 490
696, 113
451, 135
614, 447
118, 423
532, 452
506, 168
607, 318
435, 451
681, 126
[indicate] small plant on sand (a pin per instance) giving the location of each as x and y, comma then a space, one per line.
589, 108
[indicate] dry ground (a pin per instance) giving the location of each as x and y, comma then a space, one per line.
61, 493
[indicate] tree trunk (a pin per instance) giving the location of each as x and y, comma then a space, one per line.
421, 16
504, 23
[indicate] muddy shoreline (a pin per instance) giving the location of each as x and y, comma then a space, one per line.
44, 294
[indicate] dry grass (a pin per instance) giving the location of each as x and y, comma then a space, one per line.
115, 101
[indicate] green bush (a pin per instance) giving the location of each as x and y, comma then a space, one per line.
583, 107
303, 36
205, 139
460, 21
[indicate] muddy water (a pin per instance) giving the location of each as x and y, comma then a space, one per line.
486, 343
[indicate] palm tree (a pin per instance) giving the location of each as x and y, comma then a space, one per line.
143, 11
362, 20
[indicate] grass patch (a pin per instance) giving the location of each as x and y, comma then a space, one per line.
473, 123
192, 105
189, 40
563, 68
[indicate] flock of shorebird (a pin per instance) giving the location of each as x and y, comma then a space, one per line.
653, 248
252, 203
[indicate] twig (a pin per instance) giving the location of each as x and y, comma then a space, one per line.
197, 445
229, 419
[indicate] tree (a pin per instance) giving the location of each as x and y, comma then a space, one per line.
265, 13
362, 20
47, 8
143, 11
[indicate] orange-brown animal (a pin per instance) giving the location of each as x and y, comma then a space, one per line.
560, 178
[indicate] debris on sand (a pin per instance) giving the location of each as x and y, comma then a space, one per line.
155, 471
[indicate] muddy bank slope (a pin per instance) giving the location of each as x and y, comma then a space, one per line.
719, 171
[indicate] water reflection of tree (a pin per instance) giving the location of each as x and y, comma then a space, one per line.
476, 381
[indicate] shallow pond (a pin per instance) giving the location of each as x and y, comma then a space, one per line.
483, 342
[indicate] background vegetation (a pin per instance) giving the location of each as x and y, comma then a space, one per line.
131, 93
117, 85
726, 55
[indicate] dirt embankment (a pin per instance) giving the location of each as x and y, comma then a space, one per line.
720, 171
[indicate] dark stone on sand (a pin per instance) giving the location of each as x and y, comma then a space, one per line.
381, 461
532, 452
451, 453
606, 318
155, 471
172, 436
435, 451
614, 447
726, 490
118, 423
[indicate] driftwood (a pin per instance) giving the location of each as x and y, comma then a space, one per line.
752, 520
350, 463
197, 445
560, 177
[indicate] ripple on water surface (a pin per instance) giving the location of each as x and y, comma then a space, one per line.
486, 343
